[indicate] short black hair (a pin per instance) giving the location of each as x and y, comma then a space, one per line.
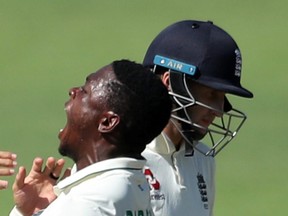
141, 100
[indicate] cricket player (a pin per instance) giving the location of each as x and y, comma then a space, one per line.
110, 119
200, 64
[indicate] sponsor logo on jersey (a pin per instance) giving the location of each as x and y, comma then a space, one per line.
203, 190
139, 213
155, 193
154, 184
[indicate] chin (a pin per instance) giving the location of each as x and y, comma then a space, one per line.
64, 147
63, 136
62, 151
198, 134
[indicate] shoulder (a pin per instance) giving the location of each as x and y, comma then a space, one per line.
203, 159
111, 179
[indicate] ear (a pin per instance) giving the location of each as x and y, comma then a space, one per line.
165, 79
108, 122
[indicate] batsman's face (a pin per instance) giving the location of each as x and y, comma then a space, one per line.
84, 111
204, 116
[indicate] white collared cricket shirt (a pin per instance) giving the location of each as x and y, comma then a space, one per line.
179, 184
111, 187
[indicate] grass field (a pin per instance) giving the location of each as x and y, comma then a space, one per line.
46, 47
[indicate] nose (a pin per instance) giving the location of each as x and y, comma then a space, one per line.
217, 113
73, 92
218, 108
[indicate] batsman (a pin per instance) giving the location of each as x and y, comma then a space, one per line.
200, 64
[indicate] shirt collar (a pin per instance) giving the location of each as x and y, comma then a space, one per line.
96, 169
163, 145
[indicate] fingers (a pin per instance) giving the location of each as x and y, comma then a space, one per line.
19, 179
3, 184
6, 171
8, 155
53, 168
58, 168
49, 167
37, 165
7, 163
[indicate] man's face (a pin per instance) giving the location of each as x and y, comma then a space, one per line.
83, 111
204, 116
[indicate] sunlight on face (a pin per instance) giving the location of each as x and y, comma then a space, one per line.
200, 115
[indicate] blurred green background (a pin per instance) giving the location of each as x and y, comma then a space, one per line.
46, 47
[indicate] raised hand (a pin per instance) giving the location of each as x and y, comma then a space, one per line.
7, 165
35, 191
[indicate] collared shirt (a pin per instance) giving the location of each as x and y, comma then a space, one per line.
180, 185
111, 187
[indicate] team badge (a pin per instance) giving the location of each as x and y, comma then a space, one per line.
203, 190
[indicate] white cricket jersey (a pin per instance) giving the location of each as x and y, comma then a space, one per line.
179, 185
110, 187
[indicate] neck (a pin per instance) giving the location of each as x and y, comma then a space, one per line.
97, 153
171, 131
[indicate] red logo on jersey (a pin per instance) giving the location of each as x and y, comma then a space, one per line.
154, 184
